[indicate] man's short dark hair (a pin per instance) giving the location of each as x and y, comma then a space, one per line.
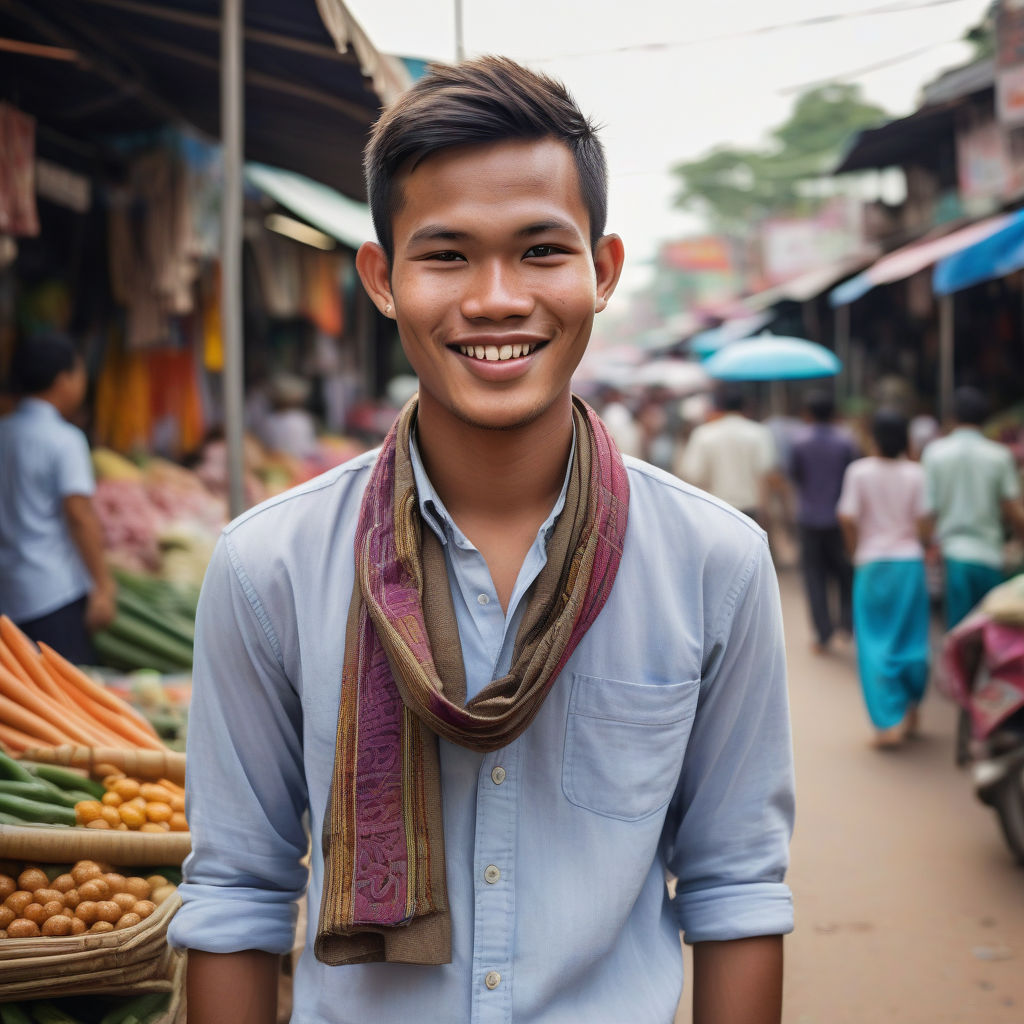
485, 100
38, 361
730, 398
820, 405
970, 406
889, 429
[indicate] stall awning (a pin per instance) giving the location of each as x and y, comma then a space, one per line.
811, 284
996, 256
911, 259
314, 83
323, 207
898, 142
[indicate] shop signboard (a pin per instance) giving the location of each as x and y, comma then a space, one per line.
983, 167
709, 253
1010, 62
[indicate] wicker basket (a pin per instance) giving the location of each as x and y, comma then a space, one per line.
124, 962
57, 844
143, 764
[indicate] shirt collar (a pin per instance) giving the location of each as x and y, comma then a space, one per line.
38, 407
436, 516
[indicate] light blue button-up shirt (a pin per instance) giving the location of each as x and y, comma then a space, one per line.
43, 460
662, 749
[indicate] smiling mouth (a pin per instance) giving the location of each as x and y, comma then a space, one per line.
497, 353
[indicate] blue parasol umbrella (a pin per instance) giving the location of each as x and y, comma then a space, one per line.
706, 342
771, 357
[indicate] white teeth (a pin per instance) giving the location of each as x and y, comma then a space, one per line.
495, 353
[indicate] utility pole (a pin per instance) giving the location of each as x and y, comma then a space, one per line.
460, 46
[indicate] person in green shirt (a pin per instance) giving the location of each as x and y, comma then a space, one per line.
973, 488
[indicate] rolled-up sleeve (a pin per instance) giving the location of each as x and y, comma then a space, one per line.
245, 785
728, 829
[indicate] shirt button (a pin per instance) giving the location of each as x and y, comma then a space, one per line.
498, 775
493, 979
483, 599
491, 874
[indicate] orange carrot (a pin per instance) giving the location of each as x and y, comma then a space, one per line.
100, 694
93, 713
14, 740
11, 663
15, 715
172, 786
60, 717
28, 657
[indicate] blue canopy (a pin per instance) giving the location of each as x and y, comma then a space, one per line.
996, 256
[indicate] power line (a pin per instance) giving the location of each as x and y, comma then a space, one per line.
867, 69
819, 19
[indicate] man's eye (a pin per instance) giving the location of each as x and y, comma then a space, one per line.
544, 250
446, 257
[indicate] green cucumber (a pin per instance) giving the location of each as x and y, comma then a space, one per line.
14, 1013
118, 653
136, 1010
67, 780
45, 1012
37, 790
36, 810
13, 770
10, 819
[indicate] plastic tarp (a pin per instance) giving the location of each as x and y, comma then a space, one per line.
996, 256
913, 258
325, 208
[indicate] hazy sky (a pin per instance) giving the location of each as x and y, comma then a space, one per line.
669, 80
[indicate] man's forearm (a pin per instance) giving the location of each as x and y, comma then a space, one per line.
738, 982
233, 988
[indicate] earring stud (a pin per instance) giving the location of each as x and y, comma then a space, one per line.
387, 309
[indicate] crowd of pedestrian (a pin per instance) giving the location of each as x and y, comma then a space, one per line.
879, 510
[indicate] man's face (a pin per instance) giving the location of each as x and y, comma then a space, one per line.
494, 283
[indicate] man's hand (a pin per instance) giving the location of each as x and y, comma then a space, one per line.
100, 608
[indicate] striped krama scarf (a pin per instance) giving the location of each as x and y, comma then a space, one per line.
403, 685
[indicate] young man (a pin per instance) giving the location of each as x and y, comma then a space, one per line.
817, 462
54, 581
511, 681
732, 456
973, 488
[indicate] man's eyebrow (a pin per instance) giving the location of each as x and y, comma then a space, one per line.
436, 233
543, 226
444, 233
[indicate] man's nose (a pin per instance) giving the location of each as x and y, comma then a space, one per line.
496, 291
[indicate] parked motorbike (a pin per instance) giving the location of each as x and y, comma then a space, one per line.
982, 669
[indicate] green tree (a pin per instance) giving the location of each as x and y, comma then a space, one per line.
735, 187
982, 36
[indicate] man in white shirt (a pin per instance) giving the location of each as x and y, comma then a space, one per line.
731, 456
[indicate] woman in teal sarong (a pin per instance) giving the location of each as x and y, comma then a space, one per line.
884, 518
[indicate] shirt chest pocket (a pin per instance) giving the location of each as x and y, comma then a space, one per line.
624, 744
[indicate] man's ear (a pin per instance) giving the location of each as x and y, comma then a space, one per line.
609, 256
374, 272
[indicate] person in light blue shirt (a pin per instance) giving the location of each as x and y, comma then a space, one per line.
54, 582
973, 488
661, 752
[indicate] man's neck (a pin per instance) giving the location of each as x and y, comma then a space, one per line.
499, 475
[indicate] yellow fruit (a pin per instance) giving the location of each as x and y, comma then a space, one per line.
151, 791
178, 822
88, 810
131, 815
112, 799
126, 788
158, 811
98, 823
33, 878
153, 826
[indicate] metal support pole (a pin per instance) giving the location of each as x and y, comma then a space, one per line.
232, 121
460, 46
842, 342
946, 344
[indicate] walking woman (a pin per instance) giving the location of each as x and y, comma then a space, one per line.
883, 516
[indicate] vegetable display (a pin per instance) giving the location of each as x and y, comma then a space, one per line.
41, 900
132, 804
154, 627
144, 1009
46, 701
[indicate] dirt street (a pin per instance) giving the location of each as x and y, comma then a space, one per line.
909, 909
